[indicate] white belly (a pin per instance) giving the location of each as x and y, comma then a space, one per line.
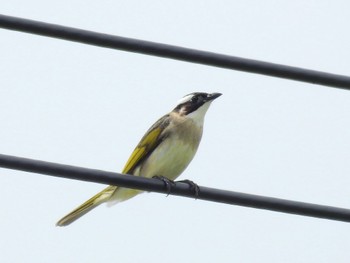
169, 159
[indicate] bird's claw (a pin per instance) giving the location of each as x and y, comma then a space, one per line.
192, 185
167, 182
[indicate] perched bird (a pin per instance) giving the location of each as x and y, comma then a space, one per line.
164, 151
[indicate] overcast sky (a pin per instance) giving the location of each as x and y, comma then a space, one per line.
87, 106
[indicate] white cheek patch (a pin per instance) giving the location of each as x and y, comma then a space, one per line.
185, 99
182, 111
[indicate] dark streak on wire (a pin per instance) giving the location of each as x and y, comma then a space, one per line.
174, 52
180, 189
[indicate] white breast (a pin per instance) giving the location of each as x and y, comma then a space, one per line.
170, 159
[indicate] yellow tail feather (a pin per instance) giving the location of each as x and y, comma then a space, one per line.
86, 207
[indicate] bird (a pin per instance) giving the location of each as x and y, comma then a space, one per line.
164, 151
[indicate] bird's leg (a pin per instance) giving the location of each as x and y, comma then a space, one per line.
167, 182
192, 185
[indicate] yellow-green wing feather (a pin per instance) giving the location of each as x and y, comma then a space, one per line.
146, 145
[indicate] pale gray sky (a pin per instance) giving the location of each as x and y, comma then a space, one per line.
87, 106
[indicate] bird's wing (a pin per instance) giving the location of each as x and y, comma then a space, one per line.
154, 136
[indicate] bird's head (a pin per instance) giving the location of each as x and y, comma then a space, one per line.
195, 105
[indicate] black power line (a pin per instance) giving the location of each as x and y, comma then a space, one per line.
180, 189
174, 52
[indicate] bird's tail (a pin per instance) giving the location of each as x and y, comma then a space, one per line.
86, 207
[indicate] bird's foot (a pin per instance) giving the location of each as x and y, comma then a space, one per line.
167, 182
192, 185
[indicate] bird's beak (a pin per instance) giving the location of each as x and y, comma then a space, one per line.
213, 96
